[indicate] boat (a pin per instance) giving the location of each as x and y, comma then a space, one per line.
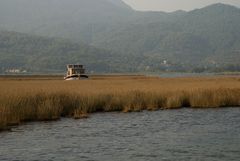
75, 72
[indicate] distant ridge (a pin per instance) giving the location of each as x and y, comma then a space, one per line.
41, 54
120, 3
206, 38
220, 5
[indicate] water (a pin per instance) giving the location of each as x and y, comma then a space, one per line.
185, 134
177, 75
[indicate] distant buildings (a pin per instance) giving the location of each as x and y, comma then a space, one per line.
165, 62
15, 71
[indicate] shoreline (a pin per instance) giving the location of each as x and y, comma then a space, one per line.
9, 128
117, 75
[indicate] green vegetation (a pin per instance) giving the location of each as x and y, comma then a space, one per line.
41, 54
35, 54
206, 38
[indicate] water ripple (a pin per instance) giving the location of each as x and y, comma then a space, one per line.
185, 134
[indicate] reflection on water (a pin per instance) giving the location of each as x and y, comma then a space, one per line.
185, 134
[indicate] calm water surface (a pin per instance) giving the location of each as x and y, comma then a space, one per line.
181, 135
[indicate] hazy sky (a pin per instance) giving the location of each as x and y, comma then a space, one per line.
172, 5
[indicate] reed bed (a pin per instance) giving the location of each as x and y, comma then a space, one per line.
41, 100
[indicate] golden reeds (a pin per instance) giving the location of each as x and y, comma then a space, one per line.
34, 100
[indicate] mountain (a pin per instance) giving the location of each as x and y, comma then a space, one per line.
75, 19
120, 4
204, 36
128, 40
41, 54
201, 32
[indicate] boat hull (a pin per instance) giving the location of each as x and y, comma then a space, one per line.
76, 77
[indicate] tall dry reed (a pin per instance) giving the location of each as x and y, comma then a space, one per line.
33, 100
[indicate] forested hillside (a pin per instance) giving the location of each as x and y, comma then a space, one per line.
205, 35
40, 54
125, 40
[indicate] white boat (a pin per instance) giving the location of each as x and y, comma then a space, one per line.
75, 72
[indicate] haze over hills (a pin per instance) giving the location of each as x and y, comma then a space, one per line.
205, 38
200, 35
40, 54
75, 19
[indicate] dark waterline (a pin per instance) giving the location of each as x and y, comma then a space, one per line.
184, 134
